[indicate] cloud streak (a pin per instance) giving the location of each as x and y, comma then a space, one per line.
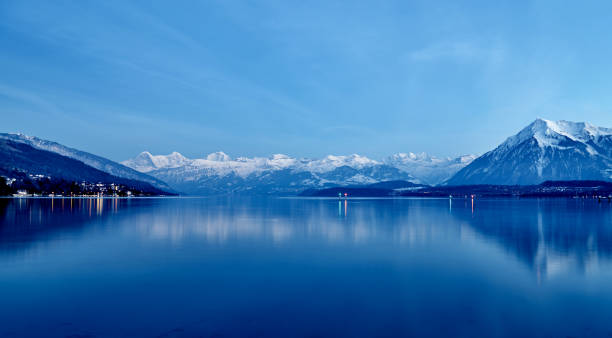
460, 51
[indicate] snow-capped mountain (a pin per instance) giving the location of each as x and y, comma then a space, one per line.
97, 162
544, 150
218, 173
146, 162
429, 169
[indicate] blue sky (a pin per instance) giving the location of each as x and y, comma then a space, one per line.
304, 78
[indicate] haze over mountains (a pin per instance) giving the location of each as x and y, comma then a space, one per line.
542, 151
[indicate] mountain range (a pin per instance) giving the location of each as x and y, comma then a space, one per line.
543, 151
218, 173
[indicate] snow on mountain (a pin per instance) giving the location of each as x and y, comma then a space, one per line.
428, 169
218, 156
145, 162
18, 160
332, 162
221, 164
553, 134
91, 160
219, 173
544, 150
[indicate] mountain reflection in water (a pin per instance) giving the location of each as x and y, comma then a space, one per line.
279, 267
548, 235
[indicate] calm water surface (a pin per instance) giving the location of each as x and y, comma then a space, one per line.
227, 267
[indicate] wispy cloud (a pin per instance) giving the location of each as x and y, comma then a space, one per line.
189, 64
29, 97
461, 51
271, 76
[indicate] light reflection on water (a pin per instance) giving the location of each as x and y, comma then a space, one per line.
509, 247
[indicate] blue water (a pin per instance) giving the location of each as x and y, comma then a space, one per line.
281, 267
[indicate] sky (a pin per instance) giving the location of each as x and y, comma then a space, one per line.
302, 78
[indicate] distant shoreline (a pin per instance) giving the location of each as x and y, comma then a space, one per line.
560, 189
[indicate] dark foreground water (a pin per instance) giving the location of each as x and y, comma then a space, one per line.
305, 268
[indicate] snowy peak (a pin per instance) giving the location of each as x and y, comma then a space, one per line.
281, 161
428, 169
582, 131
411, 157
173, 159
544, 150
143, 162
146, 162
405, 158
553, 133
426, 159
218, 156
145, 156
331, 162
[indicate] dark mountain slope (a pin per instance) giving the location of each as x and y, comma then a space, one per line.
16, 157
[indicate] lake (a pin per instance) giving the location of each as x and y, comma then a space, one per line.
290, 267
